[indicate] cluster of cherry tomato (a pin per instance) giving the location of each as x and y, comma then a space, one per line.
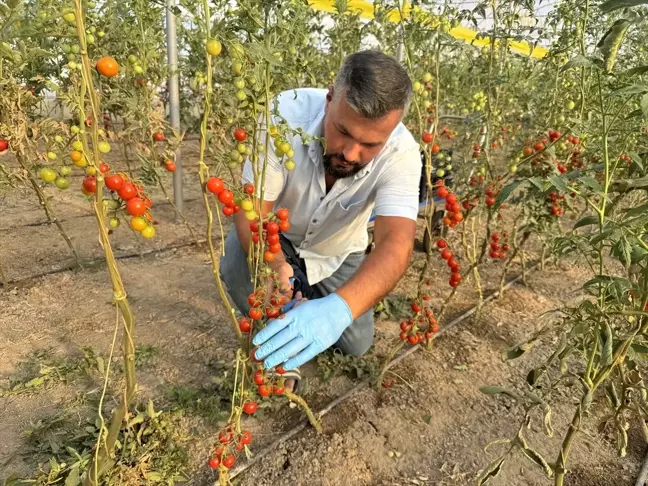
421, 326
499, 249
554, 203
282, 147
626, 158
491, 193
129, 195
448, 256
228, 439
453, 214
271, 228
263, 304
232, 203
269, 384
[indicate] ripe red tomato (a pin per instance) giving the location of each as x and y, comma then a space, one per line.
284, 226
135, 206
250, 407
490, 201
114, 182
90, 184
158, 136
278, 390
240, 135
258, 377
227, 211
436, 149
225, 436
273, 311
453, 264
283, 214
505, 247
255, 238
127, 191
245, 325
273, 239
275, 248
254, 226
441, 244
268, 256
255, 313
170, 166
226, 196
249, 189
442, 192
412, 338
246, 437
494, 246
104, 168
265, 390
229, 461
451, 199
538, 147
279, 369
495, 237
446, 254
403, 336
214, 462
4, 145
215, 185
493, 254
415, 307
426, 137
272, 228
254, 300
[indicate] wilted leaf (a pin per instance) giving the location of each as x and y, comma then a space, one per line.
611, 393
547, 422
611, 42
644, 105
622, 439
538, 459
73, 478
517, 350
606, 345
497, 390
630, 90
534, 375
491, 471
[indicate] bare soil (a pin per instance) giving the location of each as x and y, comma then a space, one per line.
430, 427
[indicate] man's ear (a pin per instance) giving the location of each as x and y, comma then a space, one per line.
329, 95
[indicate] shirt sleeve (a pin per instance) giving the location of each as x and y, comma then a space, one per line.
398, 191
274, 172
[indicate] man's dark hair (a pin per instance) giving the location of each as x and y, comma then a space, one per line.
374, 84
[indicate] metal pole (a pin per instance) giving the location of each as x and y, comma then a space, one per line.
173, 86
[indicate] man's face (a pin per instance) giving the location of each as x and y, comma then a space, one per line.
351, 140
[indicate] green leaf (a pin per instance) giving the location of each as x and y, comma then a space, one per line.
611, 42
606, 346
644, 105
639, 348
586, 221
73, 478
559, 183
636, 70
612, 5
590, 182
536, 181
491, 471
630, 90
578, 61
506, 192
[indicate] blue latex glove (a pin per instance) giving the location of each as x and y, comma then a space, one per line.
303, 332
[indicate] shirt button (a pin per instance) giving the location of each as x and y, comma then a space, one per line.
315, 221
309, 233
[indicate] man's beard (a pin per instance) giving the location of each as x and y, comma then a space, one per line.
337, 171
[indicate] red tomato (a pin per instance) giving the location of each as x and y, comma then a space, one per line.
441, 244
283, 214
240, 135
490, 201
245, 325
127, 191
250, 407
284, 226
273, 312
272, 228
214, 462
273, 239
538, 147
265, 390
226, 196
436, 149
275, 248
158, 136
90, 184
255, 313
280, 370
229, 461
4, 145
104, 168
442, 192
215, 185
227, 211
268, 256
426, 137
170, 166
278, 390
258, 377
135, 206
246, 437
254, 226
249, 189
446, 254
114, 182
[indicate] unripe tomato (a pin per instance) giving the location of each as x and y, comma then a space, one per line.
103, 147
289, 164
247, 205
114, 222
214, 47
138, 223
148, 232
47, 174
62, 183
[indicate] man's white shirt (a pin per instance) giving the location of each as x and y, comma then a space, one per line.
326, 228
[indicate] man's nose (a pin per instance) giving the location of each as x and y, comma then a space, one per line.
352, 152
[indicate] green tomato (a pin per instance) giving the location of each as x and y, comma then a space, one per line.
214, 47
90, 39
58, 139
241, 148
75, 49
92, 29
482, 171
289, 164
47, 174
571, 105
251, 215
235, 156
290, 153
239, 83
138, 69
100, 34
132, 59
232, 165
51, 155
110, 204
62, 183
237, 67
77, 145
416, 86
241, 95
70, 57
66, 49
74, 129
427, 77
72, 65
561, 119
440, 173
65, 170
103, 147
513, 169
247, 205
448, 167
69, 17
